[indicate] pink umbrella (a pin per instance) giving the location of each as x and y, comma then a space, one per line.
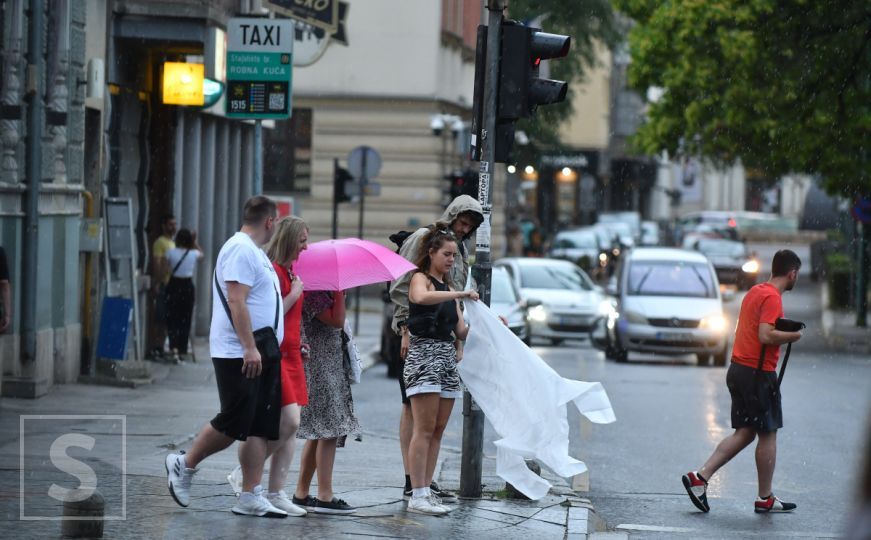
332, 265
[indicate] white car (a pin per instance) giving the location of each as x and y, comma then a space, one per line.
569, 300
667, 301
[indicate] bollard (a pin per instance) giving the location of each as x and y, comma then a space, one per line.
512, 492
86, 514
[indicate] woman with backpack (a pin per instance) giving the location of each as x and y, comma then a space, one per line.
180, 292
436, 326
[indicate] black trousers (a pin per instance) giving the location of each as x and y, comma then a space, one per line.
179, 311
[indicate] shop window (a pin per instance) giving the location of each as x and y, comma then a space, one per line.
287, 154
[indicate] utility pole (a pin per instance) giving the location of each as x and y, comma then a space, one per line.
33, 169
258, 157
473, 416
862, 277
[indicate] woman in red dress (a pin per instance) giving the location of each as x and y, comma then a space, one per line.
289, 240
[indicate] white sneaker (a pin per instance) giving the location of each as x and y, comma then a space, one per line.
255, 504
423, 505
178, 478
235, 480
281, 501
437, 501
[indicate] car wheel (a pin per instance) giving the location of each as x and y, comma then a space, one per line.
703, 359
556, 342
621, 356
719, 359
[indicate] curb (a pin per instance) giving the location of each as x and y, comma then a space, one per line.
838, 341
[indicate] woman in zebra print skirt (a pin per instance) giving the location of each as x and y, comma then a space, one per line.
432, 383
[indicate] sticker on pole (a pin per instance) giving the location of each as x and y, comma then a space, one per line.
259, 68
482, 239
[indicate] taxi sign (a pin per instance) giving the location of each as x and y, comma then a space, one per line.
259, 68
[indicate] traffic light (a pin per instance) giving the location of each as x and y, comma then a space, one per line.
341, 177
521, 90
462, 183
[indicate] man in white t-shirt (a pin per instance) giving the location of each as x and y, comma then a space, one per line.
249, 390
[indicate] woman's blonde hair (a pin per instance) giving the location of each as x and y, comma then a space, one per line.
286, 239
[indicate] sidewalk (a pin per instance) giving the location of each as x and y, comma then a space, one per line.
165, 415
840, 330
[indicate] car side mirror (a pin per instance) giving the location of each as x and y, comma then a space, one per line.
611, 289
531, 303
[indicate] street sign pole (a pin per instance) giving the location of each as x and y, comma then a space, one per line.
862, 277
473, 416
363, 181
258, 157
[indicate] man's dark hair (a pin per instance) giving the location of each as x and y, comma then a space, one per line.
257, 209
784, 262
165, 218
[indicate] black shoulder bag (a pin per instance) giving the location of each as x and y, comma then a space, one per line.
265, 338
764, 389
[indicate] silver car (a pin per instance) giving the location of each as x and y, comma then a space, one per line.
505, 301
569, 300
667, 301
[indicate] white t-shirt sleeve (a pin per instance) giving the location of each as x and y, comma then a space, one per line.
240, 265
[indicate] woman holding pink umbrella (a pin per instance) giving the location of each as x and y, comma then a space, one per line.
329, 417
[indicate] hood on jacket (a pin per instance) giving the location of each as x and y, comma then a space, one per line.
463, 203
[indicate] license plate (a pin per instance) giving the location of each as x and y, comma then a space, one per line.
572, 320
670, 336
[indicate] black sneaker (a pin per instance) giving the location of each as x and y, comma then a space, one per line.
697, 489
336, 506
772, 504
406, 493
445, 496
307, 502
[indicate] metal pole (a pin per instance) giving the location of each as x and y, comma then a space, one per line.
862, 278
33, 170
335, 199
473, 416
363, 182
258, 157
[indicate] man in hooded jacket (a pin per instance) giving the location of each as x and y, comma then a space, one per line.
462, 216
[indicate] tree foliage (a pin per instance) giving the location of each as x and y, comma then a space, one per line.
590, 23
784, 85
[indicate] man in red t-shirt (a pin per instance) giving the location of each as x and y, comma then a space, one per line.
754, 412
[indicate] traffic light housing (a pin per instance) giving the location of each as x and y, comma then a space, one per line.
520, 88
341, 178
462, 183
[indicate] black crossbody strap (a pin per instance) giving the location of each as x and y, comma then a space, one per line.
224, 301
227, 307
174, 270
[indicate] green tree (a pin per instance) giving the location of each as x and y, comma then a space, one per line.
591, 24
784, 85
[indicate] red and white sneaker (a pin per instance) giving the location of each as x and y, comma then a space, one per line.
772, 504
697, 489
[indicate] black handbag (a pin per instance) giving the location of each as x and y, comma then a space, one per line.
265, 339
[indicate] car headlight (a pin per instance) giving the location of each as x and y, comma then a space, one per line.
606, 308
716, 322
751, 266
603, 258
635, 318
538, 314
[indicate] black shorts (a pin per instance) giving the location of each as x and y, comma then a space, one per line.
755, 400
249, 407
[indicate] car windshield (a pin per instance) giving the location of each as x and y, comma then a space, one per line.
553, 276
715, 247
577, 240
671, 278
501, 290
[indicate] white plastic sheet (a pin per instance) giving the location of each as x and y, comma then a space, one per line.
525, 401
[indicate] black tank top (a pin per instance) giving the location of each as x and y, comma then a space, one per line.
436, 321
